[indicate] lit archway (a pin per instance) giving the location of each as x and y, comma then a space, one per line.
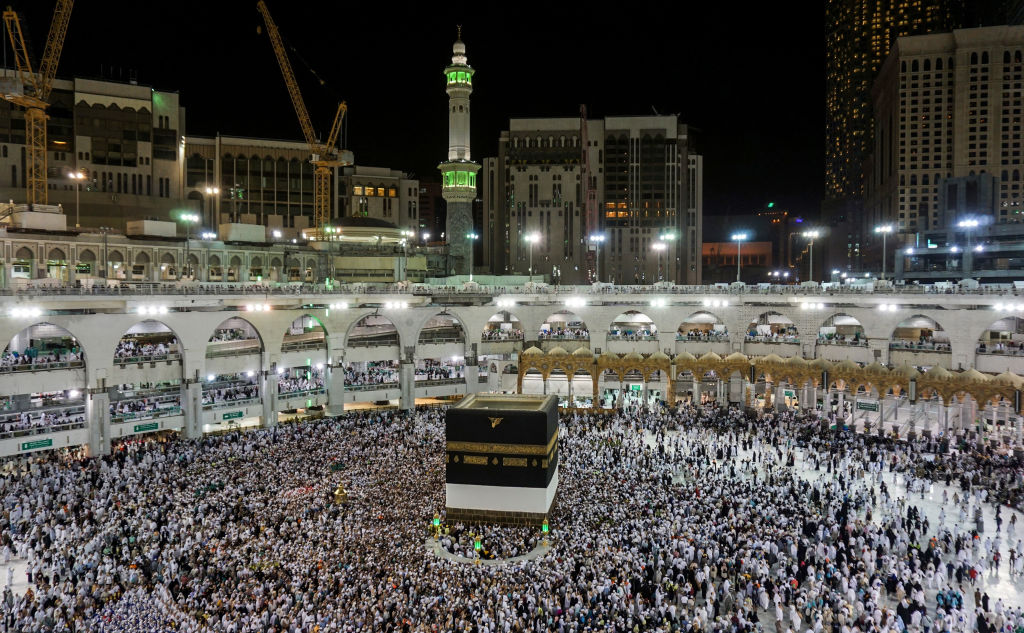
234, 336
564, 326
633, 325
920, 333
841, 329
773, 327
702, 326
1005, 336
441, 328
503, 326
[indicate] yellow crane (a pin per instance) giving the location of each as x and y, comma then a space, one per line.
325, 156
34, 100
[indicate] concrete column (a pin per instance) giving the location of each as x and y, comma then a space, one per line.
879, 349
472, 378
1018, 425
192, 408
619, 397
268, 392
407, 383
97, 411
696, 390
544, 389
335, 383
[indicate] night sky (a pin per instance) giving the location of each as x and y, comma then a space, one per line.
749, 76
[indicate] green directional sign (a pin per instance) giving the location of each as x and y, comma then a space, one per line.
142, 428
866, 405
233, 415
788, 393
31, 446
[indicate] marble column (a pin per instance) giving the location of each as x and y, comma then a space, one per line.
97, 411
407, 382
192, 408
268, 391
335, 382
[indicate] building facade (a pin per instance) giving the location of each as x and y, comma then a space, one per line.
648, 185
858, 37
125, 140
948, 110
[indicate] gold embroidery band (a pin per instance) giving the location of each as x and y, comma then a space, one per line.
504, 449
513, 461
476, 460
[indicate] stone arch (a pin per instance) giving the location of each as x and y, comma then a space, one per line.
313, 331
702, 323
841, 327
564, 324
495, 330
141, 258
235, 261
446, 324
86, 255
56, 254
214, 260
999, 337
774, 324
24, 253
167, 258
372, 328
919, 328
631, 323
24, 338
147, 332
236, 322
115, 256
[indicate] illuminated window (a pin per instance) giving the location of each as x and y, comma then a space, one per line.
451, 77
392, 192
472, 179
369, 191
357, 190
380, 191
460, 178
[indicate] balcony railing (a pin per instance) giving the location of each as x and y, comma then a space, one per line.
580, 336
41, 430
714, 338
301, 394
374, 340
372, 387
990, 351
912, 346
632, 337
231, 403
302, 345
128, 360
71, 364
847, 343
232, 348
135, 416
440, 381
772, 339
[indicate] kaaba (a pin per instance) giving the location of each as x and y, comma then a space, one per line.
502, 458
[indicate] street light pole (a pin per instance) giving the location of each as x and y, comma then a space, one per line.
967, 225
210, 192
77, 176
811, 235
666, 238
472, 237
738, 238
189, 219
597, 240
885, 230
659, 247
532, 238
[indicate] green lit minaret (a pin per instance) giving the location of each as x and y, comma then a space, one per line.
458, 173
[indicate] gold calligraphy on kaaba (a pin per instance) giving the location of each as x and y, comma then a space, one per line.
495, 421
540, 450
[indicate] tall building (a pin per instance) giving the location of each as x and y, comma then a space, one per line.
948, 110
648, 185
381, 193
125, 139
858, 36
458, 172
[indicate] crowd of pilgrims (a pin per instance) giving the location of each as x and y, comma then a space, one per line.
239, 389
376, 373
498, 334
31, 356
437, 370
732, 523
495, 542
40, 421
131, 348
570, 333
300, 383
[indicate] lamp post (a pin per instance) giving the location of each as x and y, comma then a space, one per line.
659, 247
811, 235
210, 192
884, 230
666, 237
738, 238
532, 238
78, 177
189, 219
597, 239
967, 225
472, 237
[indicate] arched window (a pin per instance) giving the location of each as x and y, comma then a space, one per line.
938, 64
984, 57
903, 66
924, 179
913, 180
914, 66
927, 65
974, 58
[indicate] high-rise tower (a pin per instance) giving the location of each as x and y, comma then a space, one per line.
458, 173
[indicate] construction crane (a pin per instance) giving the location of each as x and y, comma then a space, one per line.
325, 156
34, 100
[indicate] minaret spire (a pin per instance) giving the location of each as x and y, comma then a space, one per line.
458, 184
